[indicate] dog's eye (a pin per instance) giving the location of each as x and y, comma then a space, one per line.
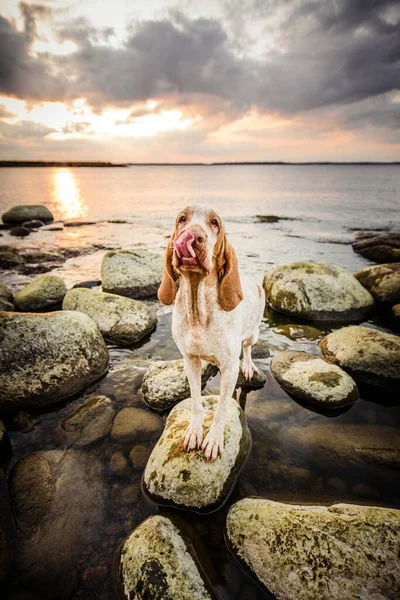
182, 219
214, 222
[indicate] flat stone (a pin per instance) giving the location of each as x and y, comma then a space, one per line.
165, 383
5, 292
43, 292
23, 212
317, 292
88, 284
121, 320
368, 355
381, 248
157, 562
47, 357
313, 379
188, 480
330, 553
132, 273
382, 281
90, 423
135, 425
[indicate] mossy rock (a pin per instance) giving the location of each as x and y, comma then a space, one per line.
132, 273
381, 248
188, 480
317, 292
313, 379
5, 305
45, 291
120, 320
368, 355
396, 315
47, 357
23, 212
382, 281
5, 292
165, 383
157, 563
305, 552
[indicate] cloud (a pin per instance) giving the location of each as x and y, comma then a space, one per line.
5, 113
23, 131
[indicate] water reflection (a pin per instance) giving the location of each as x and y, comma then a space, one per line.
66, 194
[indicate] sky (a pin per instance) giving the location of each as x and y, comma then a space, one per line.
209, 81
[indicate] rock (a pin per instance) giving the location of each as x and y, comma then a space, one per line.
5, 292
313, 379
33, 224
61, 354
368, 355
382, 248
10, 259
88, 284
21, 213
298, 332
121, 320
186, 479
90, 423
130, 494
396, 315
330, 553
6, 558
156, 562
132, 273
382, 281
139, 455
20, 231
119, 465
272, 218
316, 291
258, 380
135, 425
23, 422
43, 292
165, 383
2, 430
5, 305
57, 499
260, 349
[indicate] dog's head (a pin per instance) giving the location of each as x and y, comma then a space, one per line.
199, 245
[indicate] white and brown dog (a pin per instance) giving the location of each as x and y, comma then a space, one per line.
216, 311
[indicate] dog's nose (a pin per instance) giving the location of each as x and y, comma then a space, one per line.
200, 236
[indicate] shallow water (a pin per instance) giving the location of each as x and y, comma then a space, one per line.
288, 460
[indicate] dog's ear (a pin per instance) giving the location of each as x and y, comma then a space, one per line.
230, 292
167, 290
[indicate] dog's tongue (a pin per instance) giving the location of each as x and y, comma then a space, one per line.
183, 245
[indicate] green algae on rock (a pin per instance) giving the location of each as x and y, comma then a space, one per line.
382, 281
165, 383
307, 552
89, 423
47, 357
155, 562
317, 292
25, 212
43, 292
368, 355
121, 320
132, 273
313, 379
187, 480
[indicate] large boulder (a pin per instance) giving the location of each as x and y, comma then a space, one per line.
47, 357
132, 273
158, 563
382, 281
317, 292
188, 480
382, 248
368, 355
313, 379
23, 212
135, 425
121, 320
165, 383
44, 292
57, 499
329, 553
90, 423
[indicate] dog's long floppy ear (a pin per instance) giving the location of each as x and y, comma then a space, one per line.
230, 292
167, 290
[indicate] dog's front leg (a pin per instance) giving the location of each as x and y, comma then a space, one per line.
193, 435
213, 444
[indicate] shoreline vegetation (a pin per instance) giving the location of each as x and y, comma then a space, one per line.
40, 163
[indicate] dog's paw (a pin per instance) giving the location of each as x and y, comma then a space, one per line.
248, 369
213, 445
193, 435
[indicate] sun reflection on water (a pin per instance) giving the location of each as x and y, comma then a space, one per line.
66, 194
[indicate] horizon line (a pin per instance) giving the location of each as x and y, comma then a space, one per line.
91, 163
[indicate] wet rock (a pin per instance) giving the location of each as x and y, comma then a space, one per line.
396, 315
260, 349
186, 479
57, 499
23, 422
317, 291
61, 353
368, 355
272, 218
313, 379
135, 425
119, 465
43, 292
156, 562
6, 558
9, 259
381, 248
88, 284
165, 383
330, 553
5, 292
22, 212
382, 281
257, 381
20, 231
130, 494
5, 305
132, 273
90, 423
139, 455
298, 332
121, 320
33, 224
79, 223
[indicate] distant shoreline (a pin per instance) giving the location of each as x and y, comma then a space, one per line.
93, 164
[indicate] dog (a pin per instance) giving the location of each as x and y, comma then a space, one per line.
216, 312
